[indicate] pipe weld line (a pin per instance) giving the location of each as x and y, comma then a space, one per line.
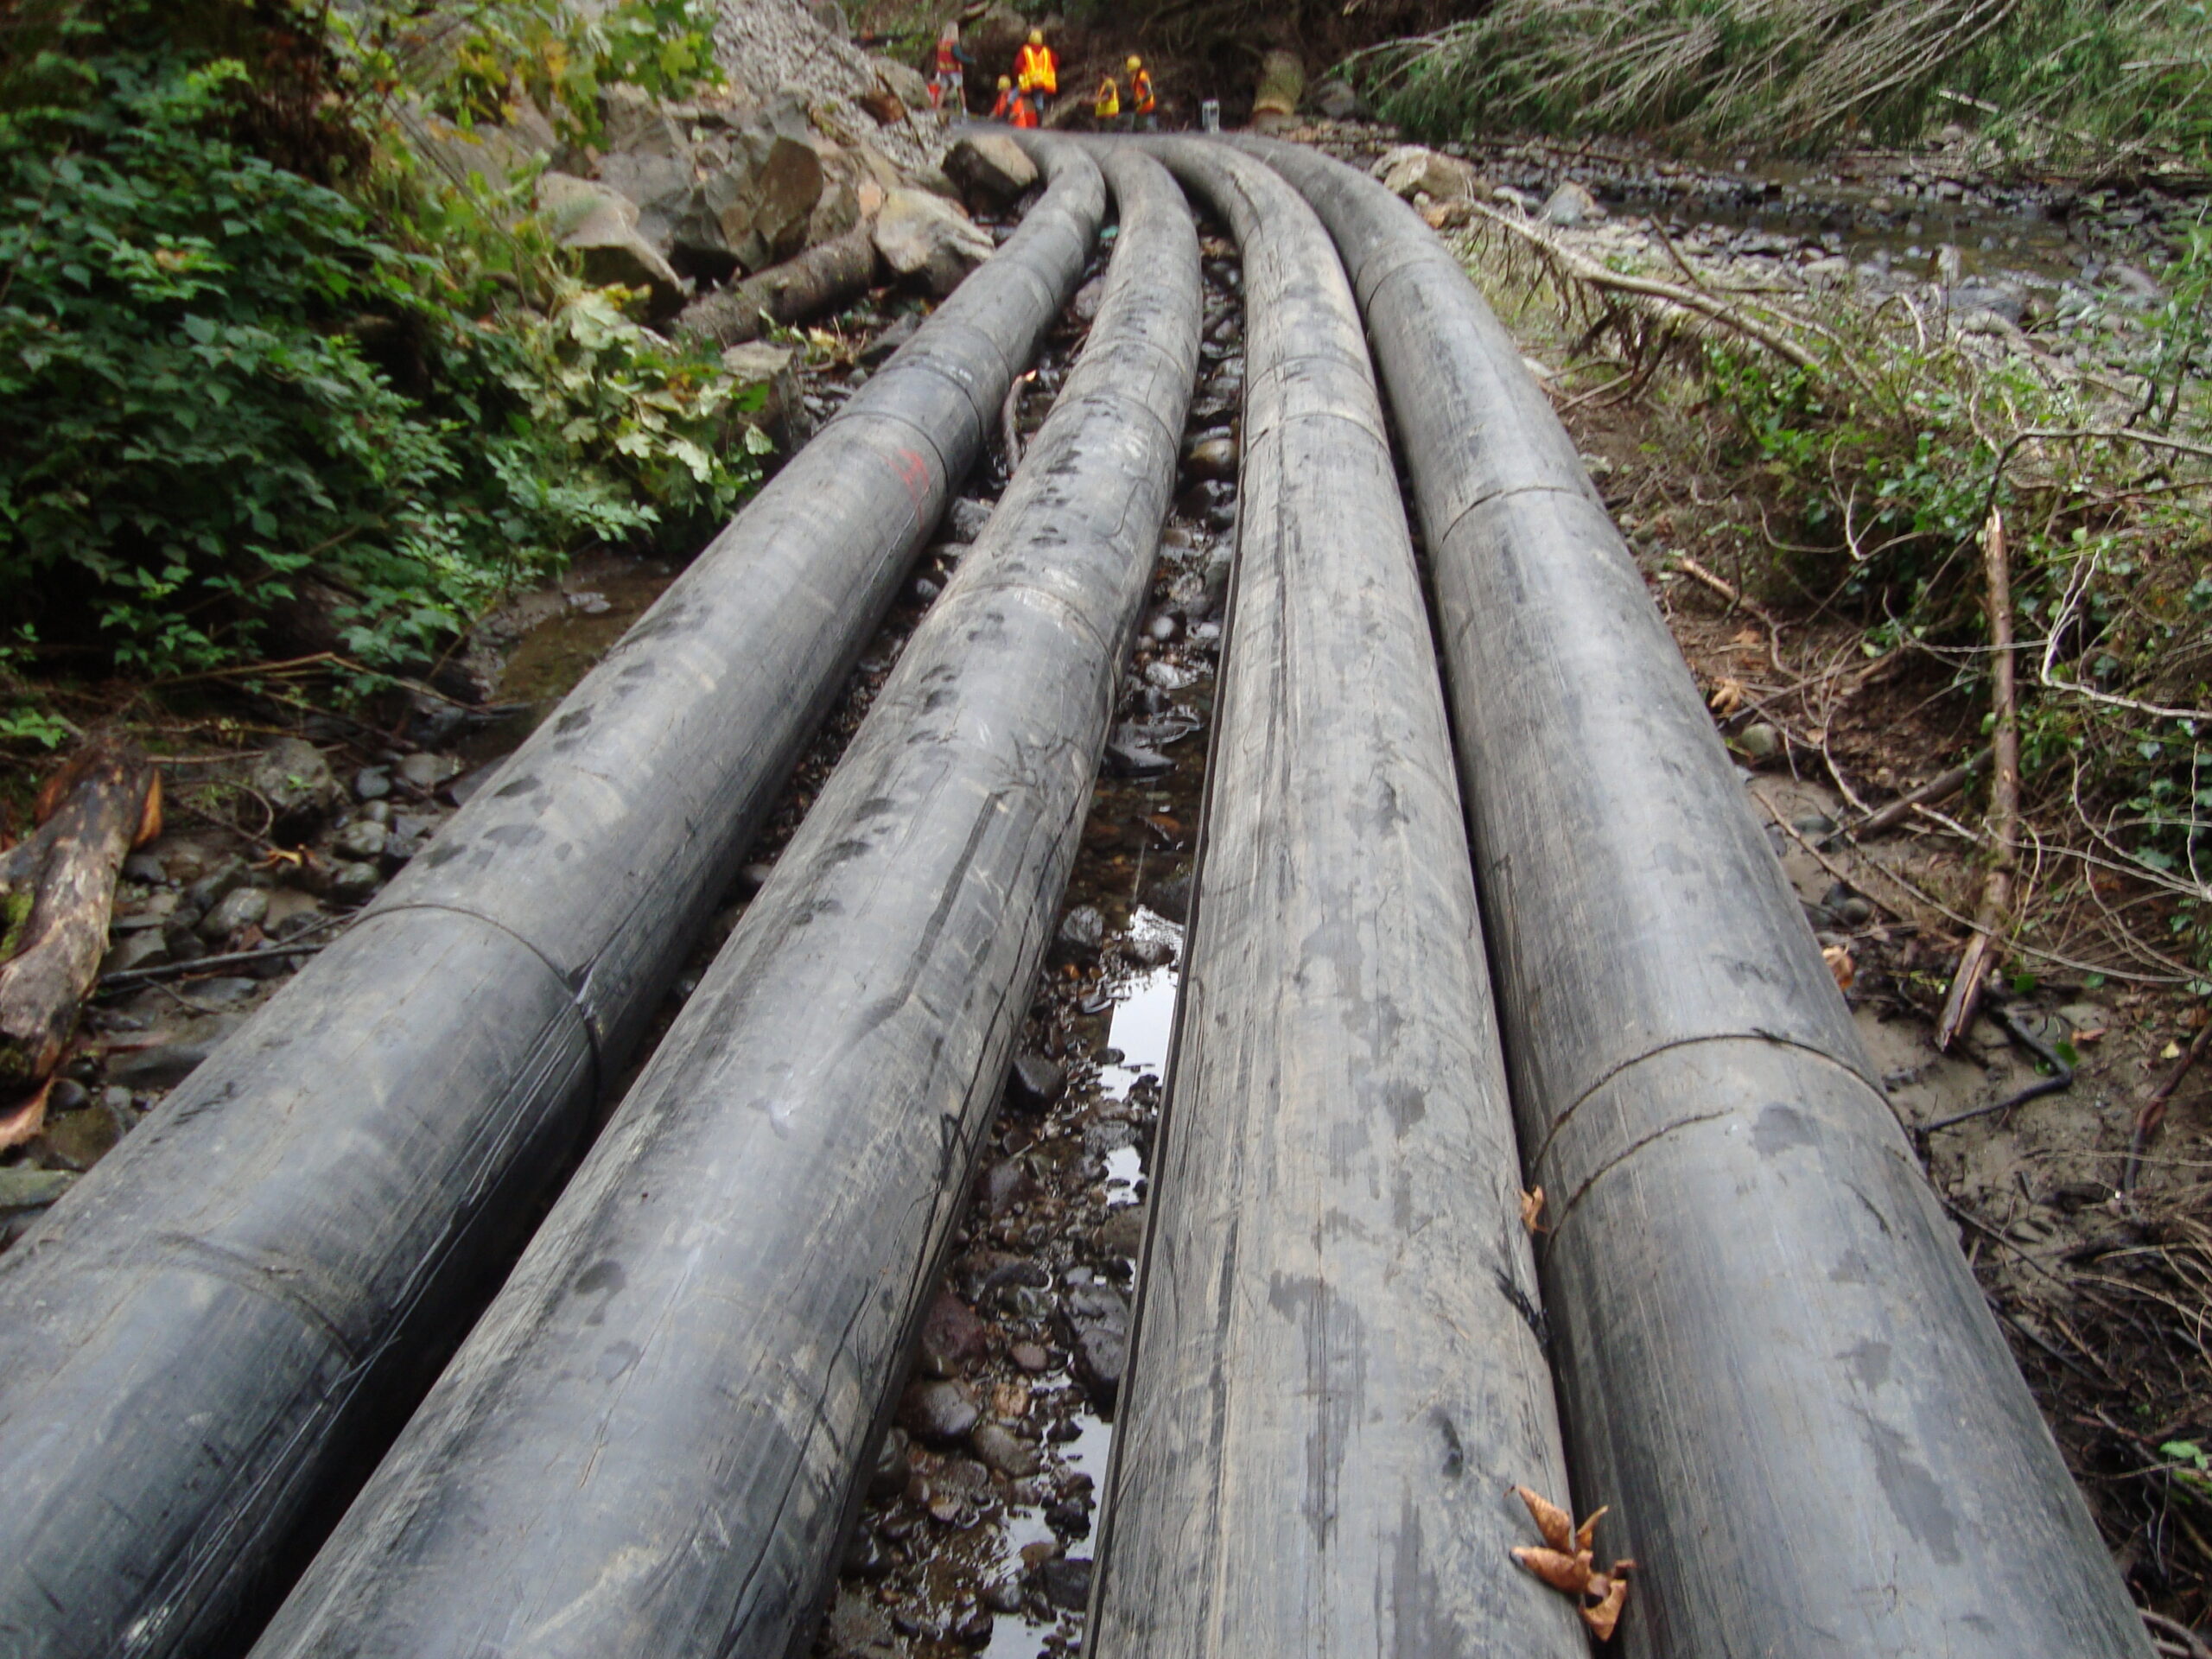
569, 990
1614, 1073
1507, 493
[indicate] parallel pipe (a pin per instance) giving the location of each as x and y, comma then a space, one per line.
200, 1335
1335, 1374
1775, 1364
649, 1442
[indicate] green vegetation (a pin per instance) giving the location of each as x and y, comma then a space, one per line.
1858, 456
247, 337
2099, 78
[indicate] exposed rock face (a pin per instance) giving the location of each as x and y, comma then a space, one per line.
925, 236
768, 47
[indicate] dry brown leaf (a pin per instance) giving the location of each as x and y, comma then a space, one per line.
1566, 1573
1727, 696
1532, 1217
1841, 964
1585, 1535
2093, 1034
1555, 1523
1606, 1614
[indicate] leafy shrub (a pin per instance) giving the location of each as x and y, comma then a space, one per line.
217, 374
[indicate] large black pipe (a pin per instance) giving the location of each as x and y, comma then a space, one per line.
648, 1443
1336, 1375
1775, 1364
197, 1336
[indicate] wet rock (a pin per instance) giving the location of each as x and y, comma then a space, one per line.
162, 1066
897, 333
939, 1412
1001, 1449
1213, 457
1029, 1356
1066, 1583
1005, 1185
362, 839
1570, 206
991, 166
371, 783
295, 780
80, 1138
865, 1556
1097, 1321
144, 868
971, 1627
1759, 740
921, 235
1121, 1234
859, 1627
24, 1188
1036, 1083
222, 992
1128, 757
425, 772
1083, 932
377, 812
242, 908
350, 882
953, 1337
965, 519
1171, 897
1003, 1595
147, 949
1149, 951
1814, 823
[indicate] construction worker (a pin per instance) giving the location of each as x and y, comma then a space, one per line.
1003, 110
1035, 69
1106, 107
950, 82
1025, 108
1144, 108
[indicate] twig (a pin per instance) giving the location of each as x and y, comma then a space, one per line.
2190, 1644
2004, 796
1736, 597
1009, 422
125, 977
1942, 786
2062, 1077
2154, 1109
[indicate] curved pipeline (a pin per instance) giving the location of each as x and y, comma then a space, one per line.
1334, 1377
198, 1335
1775, 1364
649, 1443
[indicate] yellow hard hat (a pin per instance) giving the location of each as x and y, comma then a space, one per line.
1005, 81
1136, 64
1036, 37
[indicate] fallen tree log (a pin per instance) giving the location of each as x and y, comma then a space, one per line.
210, 1336
1336, 1372
1774, 1363
808, 1128
57, 888
825, 276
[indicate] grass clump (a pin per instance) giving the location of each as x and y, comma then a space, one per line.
1805, 75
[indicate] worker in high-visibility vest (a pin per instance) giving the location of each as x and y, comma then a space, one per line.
1144, 109
1106, 107
949, 82
1003, 110
1025, 108
1035, 69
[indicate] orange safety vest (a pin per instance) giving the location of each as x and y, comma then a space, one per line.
1108, 104
1141, 91
1004, 108
1035, 70
1024, 111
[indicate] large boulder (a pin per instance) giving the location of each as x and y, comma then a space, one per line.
660, 186
991, 166
1412, 170
633, 119
758, 209
993, 38
601, 225
921, 235
768, 369
908, 84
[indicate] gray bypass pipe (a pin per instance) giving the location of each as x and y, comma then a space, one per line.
198, 1337
650, 1443
1334, 1375
1775, 1364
